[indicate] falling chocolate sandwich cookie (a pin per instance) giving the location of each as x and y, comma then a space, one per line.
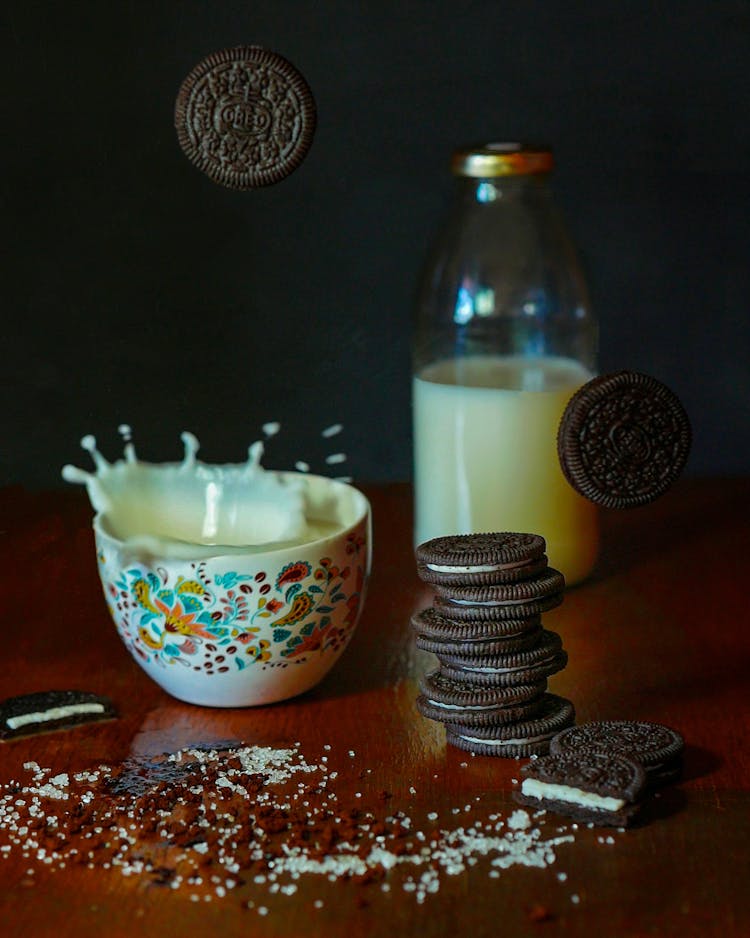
51, 710
245, 117
601, 788
624, 438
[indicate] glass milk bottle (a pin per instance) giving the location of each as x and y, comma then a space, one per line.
504, 335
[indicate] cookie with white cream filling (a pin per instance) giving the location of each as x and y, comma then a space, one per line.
47, 711
500, 557
600, 788
518, 739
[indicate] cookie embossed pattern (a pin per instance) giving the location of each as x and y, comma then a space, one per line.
623, 440
245, 117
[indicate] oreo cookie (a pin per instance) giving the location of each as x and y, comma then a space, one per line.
502, 557
245, 117
601, 788
515, 740
624, 438
430, 624
445, 700
547, 657
479, 648
518, 600
658, 748
45, 712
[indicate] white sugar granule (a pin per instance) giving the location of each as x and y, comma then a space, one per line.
419, 861
519, 821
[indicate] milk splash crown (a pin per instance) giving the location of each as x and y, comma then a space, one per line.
190, 509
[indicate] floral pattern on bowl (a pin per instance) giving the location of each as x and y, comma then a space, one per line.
214, 622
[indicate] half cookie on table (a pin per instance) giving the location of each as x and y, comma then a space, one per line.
600, 788
52, 710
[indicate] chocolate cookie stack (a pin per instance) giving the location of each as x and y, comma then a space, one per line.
485, 626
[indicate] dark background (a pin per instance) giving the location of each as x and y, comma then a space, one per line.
136, 290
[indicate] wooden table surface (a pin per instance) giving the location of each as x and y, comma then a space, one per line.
660, 632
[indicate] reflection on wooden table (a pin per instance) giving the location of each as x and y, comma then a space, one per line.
343, 810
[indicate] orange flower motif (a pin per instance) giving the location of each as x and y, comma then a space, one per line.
177, 620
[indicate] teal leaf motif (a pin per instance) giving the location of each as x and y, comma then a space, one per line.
230, 579
292, 591
241, 665
280, 635
172, 650
314, 589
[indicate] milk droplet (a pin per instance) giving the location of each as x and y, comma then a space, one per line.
302, 466
191, 444
333, 430
272, 428
255, 454
127, 435
335, 458
89, 444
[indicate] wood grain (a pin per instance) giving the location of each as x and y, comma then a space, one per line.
659, 632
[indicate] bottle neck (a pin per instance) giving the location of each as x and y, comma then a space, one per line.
502, 279
487, 190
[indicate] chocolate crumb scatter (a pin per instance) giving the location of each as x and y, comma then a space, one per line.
206, 822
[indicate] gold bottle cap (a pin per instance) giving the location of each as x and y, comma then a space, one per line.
501, 159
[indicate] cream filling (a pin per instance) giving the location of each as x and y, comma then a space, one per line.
54, 713
476, 568
508, 742
585, 799
445, 706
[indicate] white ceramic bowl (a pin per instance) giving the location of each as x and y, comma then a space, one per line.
235, 625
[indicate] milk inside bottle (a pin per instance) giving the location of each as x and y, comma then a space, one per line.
486, 457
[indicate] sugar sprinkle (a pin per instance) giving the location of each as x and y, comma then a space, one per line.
208, 821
